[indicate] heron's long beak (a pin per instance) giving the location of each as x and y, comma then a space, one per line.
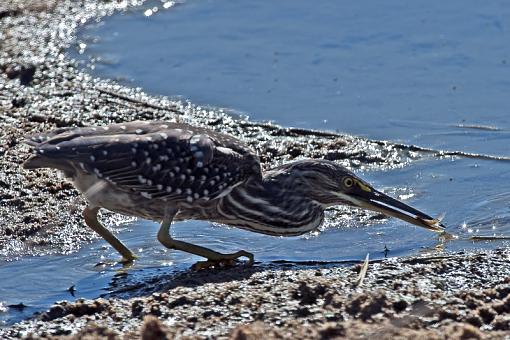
371, 199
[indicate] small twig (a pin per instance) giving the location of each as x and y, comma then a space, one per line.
488, 237
362, 272
428, 259
442, 153
137, 101
282, 130
320, 263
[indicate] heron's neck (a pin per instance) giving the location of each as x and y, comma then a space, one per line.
263, 207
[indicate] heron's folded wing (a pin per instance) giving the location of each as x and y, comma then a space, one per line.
167, 163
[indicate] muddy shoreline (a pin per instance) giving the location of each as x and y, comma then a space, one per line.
454, 295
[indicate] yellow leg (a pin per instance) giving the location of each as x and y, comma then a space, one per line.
90, 215
213, 257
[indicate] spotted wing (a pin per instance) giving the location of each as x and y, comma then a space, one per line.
170, 161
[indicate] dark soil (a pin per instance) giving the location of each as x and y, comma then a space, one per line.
444, 297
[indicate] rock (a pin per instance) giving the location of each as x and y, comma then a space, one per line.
25, 73
487, 314
153, 329
56, 311
400, 305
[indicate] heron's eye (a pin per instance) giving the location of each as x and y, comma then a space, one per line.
348, 182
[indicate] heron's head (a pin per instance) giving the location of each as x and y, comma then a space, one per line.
330, 184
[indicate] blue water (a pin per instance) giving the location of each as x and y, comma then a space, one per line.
417, 72
388, 70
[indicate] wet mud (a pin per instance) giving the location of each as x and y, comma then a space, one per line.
456, 296
459, 296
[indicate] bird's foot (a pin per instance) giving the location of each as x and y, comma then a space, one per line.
213, 264
126, 263
128, 259
227, 260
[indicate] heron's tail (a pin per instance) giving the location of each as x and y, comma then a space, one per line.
38, 161
44, 151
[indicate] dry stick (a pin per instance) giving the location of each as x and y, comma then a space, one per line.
441, 153
479, 237
488, 237
137, 101
320, 263
362, 272
299, 131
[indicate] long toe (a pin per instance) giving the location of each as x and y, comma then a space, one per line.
110, 263
200, 265
129, 259
214, 264
249, 256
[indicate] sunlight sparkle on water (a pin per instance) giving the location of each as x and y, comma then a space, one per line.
406, 196
465, 227
168, 4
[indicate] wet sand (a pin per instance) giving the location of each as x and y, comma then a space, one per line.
437, 297
459, 295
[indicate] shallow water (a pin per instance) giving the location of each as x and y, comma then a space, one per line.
391, 70
427, 73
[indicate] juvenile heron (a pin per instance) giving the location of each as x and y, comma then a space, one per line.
167, 172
